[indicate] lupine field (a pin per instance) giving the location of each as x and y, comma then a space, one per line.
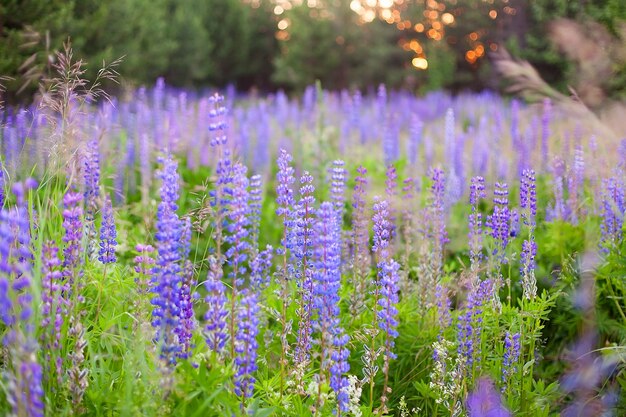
181, 254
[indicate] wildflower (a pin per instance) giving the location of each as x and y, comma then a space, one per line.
613, 208
511, 356
167, 272
327, 280
245, 344
477, 191
108, 234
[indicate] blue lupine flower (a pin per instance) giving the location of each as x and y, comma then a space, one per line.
108, 234
500, 221
327, 280
470, 324
477, 192
613, 209
216, 334
167, 271
511, 355
246, 344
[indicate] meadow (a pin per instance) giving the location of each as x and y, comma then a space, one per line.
335, 253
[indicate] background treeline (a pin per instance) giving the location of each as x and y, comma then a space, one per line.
208, 43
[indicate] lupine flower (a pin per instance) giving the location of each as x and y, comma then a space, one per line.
511, 356
108, 234
303, 252
167, 272
360, 243
528, 205
438, 212
470, 324
528, 197
216, 334
285, 199
260, 267
237, 238
25, 393
53, 306
327, 280
337, 188
613, 210
73, 225
91, 176
477, 191
485, 401
72, 285
500, 221
386, 292
187, 319
245, 344
143, 266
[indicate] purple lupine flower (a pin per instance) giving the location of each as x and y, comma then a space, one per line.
216, 334
387, 313
285, 201
284, 197
360, 243
91, 178
73, 225
167, 278
237, 238
528, 197
338, 187
438, 211
217, 120
327, 280
511, 356
500, 221
187, 322
246, 344
52, 309
25, 392
144, 266
260, 266
485, 401
470, 324
303, 253
613, 210
528, 205
108, 234
477, 192
386, 290
443, 304
91, 175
